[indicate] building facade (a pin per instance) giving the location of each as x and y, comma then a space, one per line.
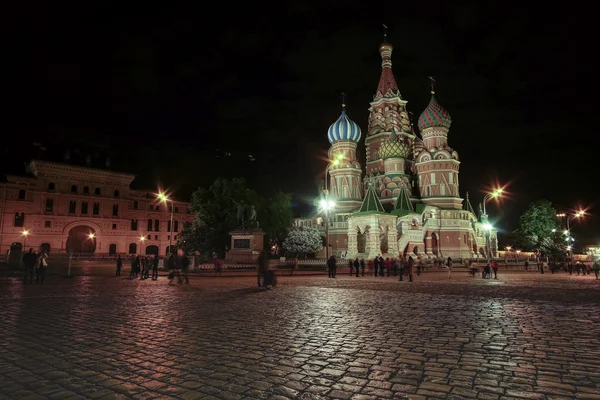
408, 201
61, 208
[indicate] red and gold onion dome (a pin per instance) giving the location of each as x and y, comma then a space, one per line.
434, 116
394, 147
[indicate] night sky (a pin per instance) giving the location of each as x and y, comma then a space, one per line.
182, 96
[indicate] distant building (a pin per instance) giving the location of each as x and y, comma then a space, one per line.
61, 207
408, 201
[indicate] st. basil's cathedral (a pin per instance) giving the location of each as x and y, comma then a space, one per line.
408, 200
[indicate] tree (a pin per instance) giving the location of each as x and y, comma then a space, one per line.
302, 240
539, 229
277, 218
215, 212
215, 216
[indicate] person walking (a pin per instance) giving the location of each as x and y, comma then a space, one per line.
185, 263
43, 265
596, 268
29, 259
356, 265
419, 266
261, 268
526, 265
119, 265
331, 266
495, 268
143, 267
134, 261
409, 266
400, 262
362, 266
376, 266
449, 265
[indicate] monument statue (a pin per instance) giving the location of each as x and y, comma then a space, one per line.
253, 223
241, 214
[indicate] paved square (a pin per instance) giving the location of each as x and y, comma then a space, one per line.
523, 336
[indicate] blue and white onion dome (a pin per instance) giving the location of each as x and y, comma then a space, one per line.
343, 129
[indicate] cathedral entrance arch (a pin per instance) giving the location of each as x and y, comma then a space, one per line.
81, 239
435, 244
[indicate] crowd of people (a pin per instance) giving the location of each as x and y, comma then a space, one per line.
141, 266
380, 267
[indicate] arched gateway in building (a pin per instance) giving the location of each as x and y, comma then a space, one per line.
152, 250
81, 240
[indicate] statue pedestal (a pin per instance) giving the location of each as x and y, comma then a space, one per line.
246, 245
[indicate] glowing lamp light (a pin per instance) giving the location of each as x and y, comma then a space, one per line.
508, 248
327, 204
569, 247
336, 162
487, 227
142, 238
553, 230
91, 236
162, 197
566, 232
25, 232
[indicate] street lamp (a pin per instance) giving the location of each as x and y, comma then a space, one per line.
335, 162
25, 234
327, 205
142, 239
496, 193
163, 198
506, 254
569, 217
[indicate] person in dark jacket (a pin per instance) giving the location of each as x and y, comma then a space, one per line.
261, 268
155, 268
376, 265
356, 264
29, 259
119, 265
409, 266
331, 266
362, 266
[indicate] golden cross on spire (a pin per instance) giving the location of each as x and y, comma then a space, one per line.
384, 32
432, 82
343, 100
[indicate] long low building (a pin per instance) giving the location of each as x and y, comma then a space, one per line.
62, 208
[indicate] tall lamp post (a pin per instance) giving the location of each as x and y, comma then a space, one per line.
487, 225
163, 198
570, 239
326, 204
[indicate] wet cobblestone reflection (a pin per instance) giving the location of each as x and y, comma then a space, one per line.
523, 336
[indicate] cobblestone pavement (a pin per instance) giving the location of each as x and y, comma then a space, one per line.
523, 336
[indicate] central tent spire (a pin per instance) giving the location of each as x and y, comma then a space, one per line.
387, 83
